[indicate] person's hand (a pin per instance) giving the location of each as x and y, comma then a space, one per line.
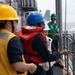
33, 68
58, 34
65, 52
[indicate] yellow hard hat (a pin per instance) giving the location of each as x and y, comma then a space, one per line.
8, 13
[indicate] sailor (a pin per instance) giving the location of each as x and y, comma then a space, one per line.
11, 53
35, 46
53, 32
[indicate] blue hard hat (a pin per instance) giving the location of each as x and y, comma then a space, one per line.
35, 18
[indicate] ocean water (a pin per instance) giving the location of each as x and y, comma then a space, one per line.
69, 26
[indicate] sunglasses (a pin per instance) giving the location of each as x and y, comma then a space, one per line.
53, 19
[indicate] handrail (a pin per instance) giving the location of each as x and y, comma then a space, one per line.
71, 39
68, 38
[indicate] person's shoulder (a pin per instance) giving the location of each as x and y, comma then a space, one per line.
14, 39
39, 36
49, 24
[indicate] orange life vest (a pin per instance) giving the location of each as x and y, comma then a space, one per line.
27, 36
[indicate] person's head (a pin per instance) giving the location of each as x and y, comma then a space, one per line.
53, 17
8, 18
46, 29
36, 19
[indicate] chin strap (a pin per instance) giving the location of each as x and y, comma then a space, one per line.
12, 26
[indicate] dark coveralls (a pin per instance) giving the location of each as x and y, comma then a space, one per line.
15, 51
40, 45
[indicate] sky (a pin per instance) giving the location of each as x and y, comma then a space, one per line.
50, 5
46, 5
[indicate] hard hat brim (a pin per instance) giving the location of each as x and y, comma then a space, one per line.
10, 18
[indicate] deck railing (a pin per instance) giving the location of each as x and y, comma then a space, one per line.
69, 44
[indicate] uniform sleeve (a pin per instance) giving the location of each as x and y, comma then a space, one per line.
40, 45
14, 50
